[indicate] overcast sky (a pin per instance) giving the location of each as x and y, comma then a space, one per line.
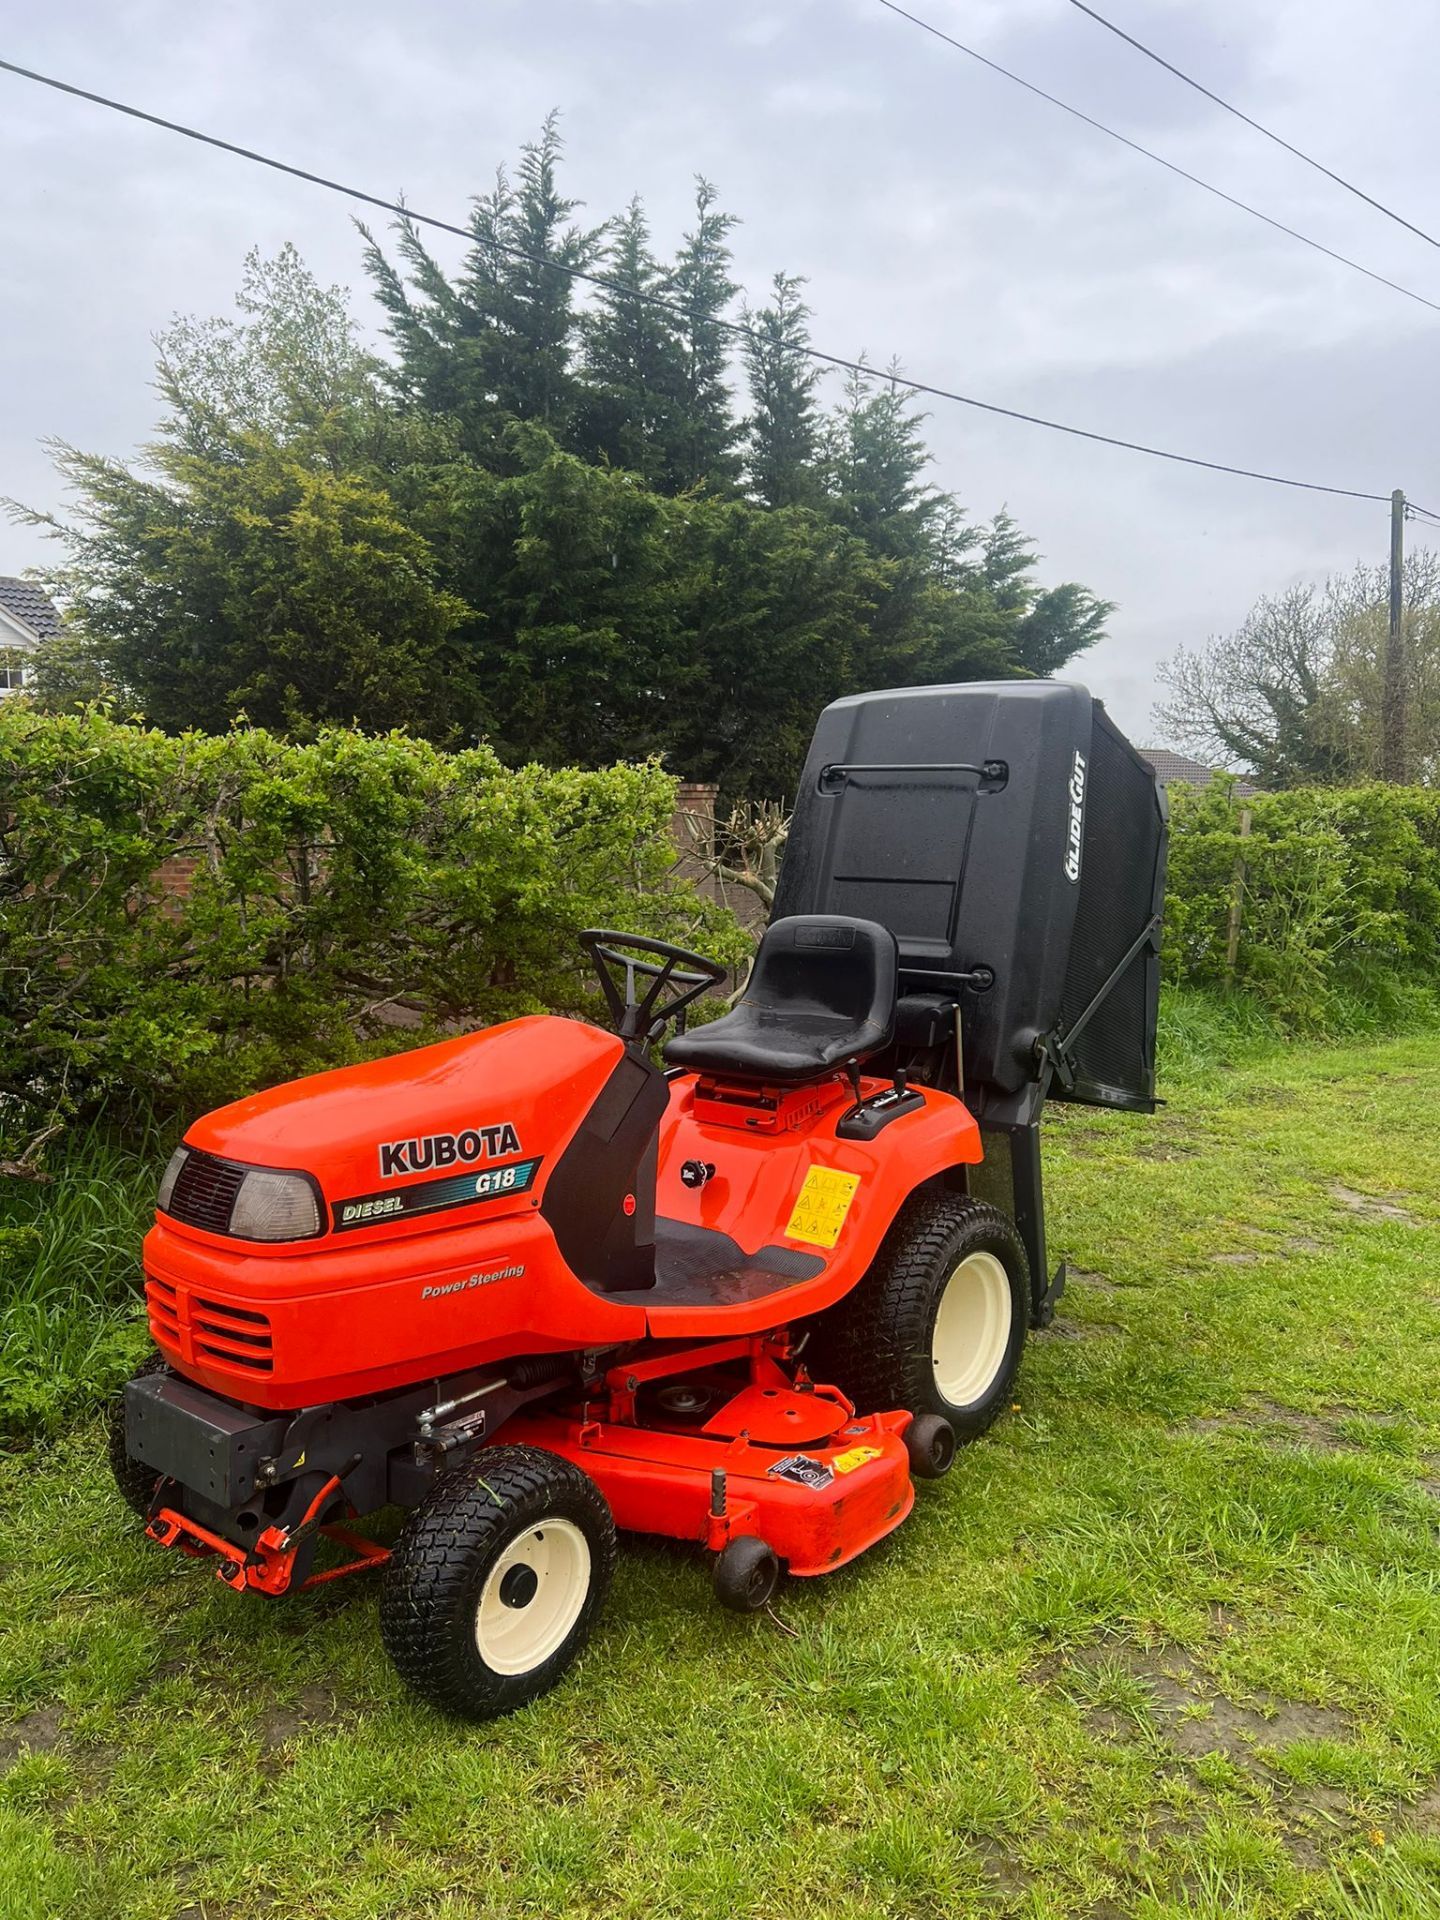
940, 214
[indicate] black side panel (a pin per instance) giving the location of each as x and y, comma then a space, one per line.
1111, 1061
611, 1156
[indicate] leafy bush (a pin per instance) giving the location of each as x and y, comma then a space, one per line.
1339, 900
337, 885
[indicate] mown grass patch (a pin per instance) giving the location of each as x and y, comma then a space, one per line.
1166, 1642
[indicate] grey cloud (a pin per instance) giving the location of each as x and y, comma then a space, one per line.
996, 246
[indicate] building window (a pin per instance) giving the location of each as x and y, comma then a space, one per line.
11, 679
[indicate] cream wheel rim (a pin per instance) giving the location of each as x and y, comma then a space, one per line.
972, 1329
532, 1597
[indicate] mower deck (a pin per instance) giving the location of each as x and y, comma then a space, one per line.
793, 1465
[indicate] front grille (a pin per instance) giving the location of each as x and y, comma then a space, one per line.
208, 1330
163, 1306
236, 1335
205, 1191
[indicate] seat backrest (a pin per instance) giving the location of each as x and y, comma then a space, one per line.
826, 964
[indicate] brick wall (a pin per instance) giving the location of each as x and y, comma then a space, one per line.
693, 827
176, 875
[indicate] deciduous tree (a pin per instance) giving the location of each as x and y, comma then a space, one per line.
1295, 695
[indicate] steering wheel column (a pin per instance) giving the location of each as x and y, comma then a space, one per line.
599, 1200
674, 978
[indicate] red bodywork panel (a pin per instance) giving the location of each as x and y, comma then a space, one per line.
758, 1179
391, 1301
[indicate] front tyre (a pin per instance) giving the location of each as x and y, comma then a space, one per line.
137, 1484
495, 1581
938, 1323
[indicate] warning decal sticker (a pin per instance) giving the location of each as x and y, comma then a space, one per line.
804, 1471
856, 1457
822, 1206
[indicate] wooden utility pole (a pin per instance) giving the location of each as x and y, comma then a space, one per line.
1392, 749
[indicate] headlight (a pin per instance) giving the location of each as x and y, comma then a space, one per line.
275, 1206
170, 1176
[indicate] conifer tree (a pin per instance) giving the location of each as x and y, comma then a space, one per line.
635, 364
1046, 628
531, 523
702, 285
876, 455
494, 345
783, 433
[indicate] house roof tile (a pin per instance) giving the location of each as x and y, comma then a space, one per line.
1179, 770
29, 604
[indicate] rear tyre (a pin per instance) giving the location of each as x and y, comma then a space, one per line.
496, 1580
136, 1482
747, 1575
938, 1323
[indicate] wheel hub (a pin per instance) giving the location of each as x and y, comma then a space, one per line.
532, 1597
519, 1587
972, 1329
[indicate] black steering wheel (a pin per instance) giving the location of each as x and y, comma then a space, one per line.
643, 1017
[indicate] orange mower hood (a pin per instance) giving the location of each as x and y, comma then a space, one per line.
509, 1092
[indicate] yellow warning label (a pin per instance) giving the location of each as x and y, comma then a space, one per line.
856, 1457
823, 1204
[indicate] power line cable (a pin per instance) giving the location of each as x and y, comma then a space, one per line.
1149, 153
1310, 161
736, 329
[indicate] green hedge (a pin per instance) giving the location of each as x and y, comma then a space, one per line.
334, 881
338, 881
1339, 898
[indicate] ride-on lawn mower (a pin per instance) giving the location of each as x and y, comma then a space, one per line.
533, 1288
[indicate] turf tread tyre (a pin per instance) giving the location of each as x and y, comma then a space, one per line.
135, 1481
437, 1572
874, 1344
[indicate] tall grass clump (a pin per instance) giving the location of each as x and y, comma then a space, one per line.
1204, 1030
70, 1285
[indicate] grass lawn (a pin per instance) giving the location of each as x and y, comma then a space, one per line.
1166, 1642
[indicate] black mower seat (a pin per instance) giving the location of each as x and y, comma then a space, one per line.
821, 992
